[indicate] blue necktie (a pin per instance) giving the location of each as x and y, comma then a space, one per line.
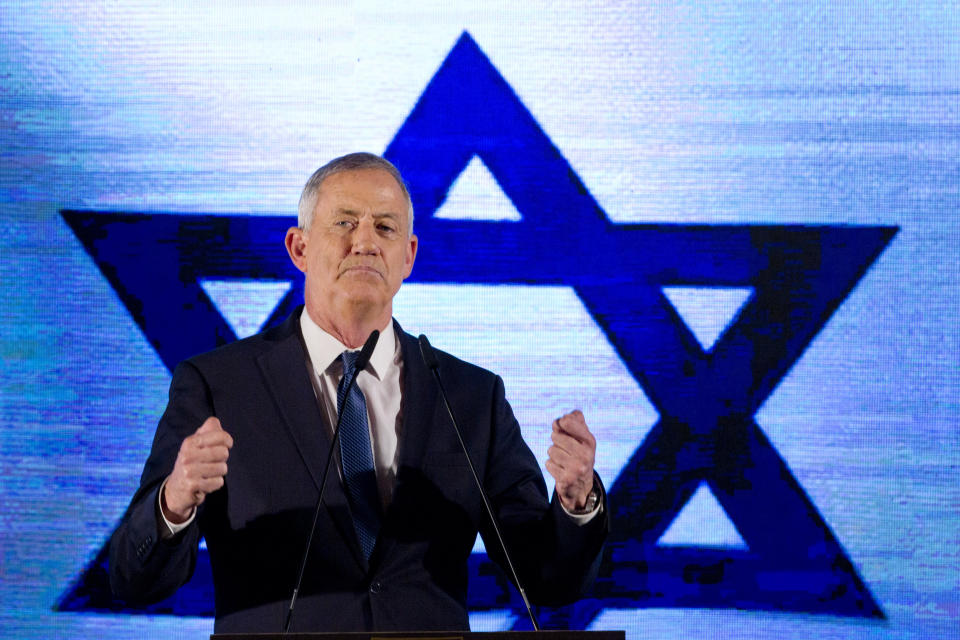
356, 458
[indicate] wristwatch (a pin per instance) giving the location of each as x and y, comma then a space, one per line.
592, 499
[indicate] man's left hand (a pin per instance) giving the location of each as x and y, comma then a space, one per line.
571, 460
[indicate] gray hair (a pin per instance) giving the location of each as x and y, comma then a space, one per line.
349, 162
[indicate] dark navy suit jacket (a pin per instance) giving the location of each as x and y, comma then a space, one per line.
256, 525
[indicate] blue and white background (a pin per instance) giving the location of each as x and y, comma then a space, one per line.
727, 231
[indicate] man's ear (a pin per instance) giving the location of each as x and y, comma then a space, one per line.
296, 243
411, 255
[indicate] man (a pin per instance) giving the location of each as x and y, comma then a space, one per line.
239, 453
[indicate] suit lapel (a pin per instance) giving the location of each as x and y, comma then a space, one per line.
288, 378
419, 403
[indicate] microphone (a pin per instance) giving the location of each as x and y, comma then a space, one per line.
362, 361
430, 359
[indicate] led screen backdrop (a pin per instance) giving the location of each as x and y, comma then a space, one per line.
725, 231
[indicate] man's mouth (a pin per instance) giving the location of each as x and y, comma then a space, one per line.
361, 269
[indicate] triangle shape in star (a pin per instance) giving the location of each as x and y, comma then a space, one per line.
702, 522
707, 311
246, 305
476, 195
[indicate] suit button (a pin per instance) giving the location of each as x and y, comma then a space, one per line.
376, 587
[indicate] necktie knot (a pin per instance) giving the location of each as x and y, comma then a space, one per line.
349, 359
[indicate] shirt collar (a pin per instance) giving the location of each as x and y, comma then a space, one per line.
324, 349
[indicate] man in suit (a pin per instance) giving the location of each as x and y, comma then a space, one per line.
239, 453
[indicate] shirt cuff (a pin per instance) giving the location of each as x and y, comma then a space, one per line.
169, 529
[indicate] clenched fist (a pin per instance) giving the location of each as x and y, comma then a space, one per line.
200, 469
571, 460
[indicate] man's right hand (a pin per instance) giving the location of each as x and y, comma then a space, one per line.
200, 469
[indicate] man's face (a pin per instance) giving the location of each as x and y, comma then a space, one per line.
357, 250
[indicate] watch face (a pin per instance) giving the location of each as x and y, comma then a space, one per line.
592, 501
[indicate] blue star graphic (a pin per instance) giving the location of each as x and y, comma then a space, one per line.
706, 399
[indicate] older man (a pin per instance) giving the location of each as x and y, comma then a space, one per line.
239, 453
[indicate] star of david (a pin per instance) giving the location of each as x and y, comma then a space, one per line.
706, 398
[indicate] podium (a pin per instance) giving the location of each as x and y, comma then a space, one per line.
430, 635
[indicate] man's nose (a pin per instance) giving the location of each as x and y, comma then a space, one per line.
365, 237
